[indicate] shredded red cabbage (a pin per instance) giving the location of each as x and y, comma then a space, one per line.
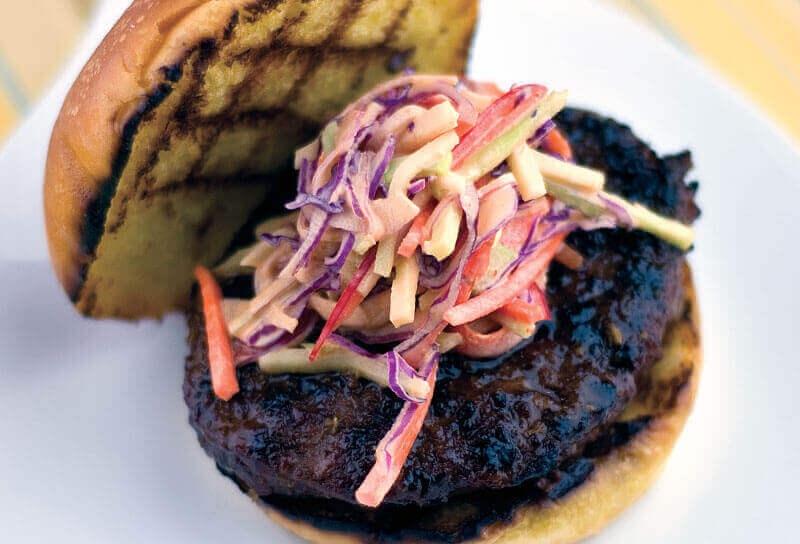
384, 155
469, 203
394, 97
316, 228
277, 239
541, 133
343, 342
429, 267
618, 211
447, 269
382, 336
271, 338
304, 199
337, 260
398, 365
417, 186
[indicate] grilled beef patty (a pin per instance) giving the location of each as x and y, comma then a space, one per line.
493, 425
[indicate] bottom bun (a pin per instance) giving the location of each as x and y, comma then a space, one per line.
620, 477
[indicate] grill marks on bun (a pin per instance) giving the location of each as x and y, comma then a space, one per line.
193, 146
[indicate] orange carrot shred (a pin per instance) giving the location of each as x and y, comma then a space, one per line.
569, 258
492, 344
478, 263
556, 142
503, 293
382, 476
220, 353
416, 234
523, 311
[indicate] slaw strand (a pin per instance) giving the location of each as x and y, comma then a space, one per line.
475, 267
393, 449
503, 293
220, 353
556, 142
521, 316
416, 234
493, 344
512, 107
480, 161
336, 358
348, 302
569, 257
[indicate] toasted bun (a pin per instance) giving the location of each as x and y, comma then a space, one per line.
175, 129
619, 478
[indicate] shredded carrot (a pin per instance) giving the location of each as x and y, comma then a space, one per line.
382, 476
477, 344
492, 344
346, 305
478, 262
220, 353
500, 295
569, 257
515, 233
395, 447
524, 312
484, 181
415, 355
539, 298
556, 142
462, 128
416, 234
496, 119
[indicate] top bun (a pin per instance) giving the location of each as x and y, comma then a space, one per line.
183, 120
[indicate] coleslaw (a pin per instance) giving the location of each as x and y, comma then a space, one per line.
426, 217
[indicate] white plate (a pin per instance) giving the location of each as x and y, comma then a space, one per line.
94, 442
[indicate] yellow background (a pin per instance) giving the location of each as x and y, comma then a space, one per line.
754, 43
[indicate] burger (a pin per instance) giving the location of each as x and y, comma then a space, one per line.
421, 308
